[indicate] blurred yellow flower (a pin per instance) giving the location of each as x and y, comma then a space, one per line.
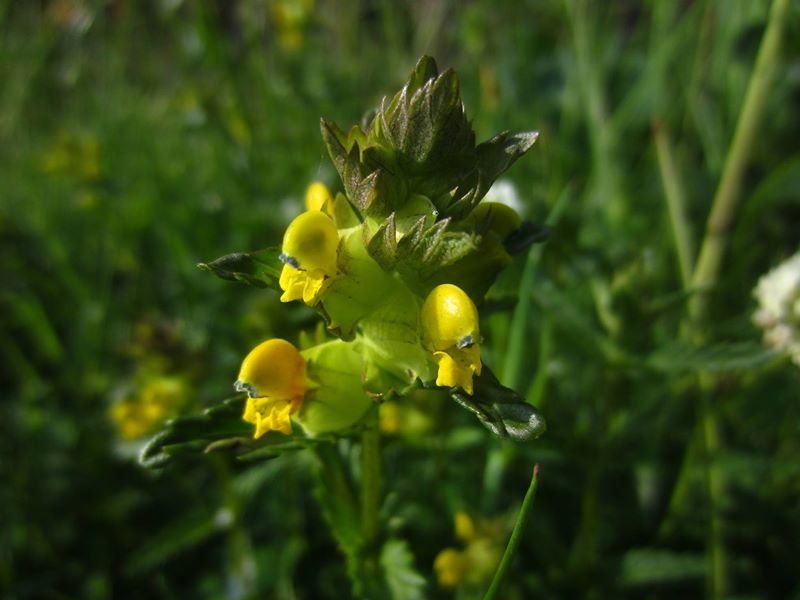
465, 527
476, 563
159, 400
72, 154
317, 195
450, 332
290, 19
450, 566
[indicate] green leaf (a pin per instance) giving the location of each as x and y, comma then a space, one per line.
737, 356
654, 566
217, 429
500, 409
402, 579
261, 268
186, 533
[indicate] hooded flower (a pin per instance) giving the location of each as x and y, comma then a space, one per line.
273, 375
309, 257
450, 332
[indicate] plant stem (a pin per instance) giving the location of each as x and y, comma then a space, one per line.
515, 351
726, 199
516, 536
706, 273
370, 485
676, 204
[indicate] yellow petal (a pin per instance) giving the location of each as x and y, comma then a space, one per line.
311, 242
293, 283
449, 318
453, 373
316, 282
273, 369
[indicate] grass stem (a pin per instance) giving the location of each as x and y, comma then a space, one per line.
516, 536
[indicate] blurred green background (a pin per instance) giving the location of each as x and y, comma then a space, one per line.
140, 138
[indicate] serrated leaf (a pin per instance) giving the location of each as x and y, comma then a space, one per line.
217, 429
261, 268
737, 356
336, 143
402, 579
493, 158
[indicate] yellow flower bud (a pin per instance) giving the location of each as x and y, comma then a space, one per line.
450, 332
497, 217
309, 256
317, 194
273, 375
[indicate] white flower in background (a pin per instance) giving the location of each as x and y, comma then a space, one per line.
778, 314
504, 192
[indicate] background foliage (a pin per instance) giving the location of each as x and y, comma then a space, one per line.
140, 138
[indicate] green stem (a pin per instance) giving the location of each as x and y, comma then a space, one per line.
516, 536
370, 485
676, 204
537, 389
726, 199
515, 351
707, 270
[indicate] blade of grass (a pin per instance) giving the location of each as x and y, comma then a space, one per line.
516, 536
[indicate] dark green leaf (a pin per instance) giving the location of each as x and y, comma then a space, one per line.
261, 268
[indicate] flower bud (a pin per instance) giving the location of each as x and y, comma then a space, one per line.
450, 332
273, 375
309, 256
317, 195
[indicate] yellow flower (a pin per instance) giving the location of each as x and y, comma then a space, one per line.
464, 526
317, 195
497, 218
475, 564
450, 332
160, 399
309, 256
450, 566
273, 375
